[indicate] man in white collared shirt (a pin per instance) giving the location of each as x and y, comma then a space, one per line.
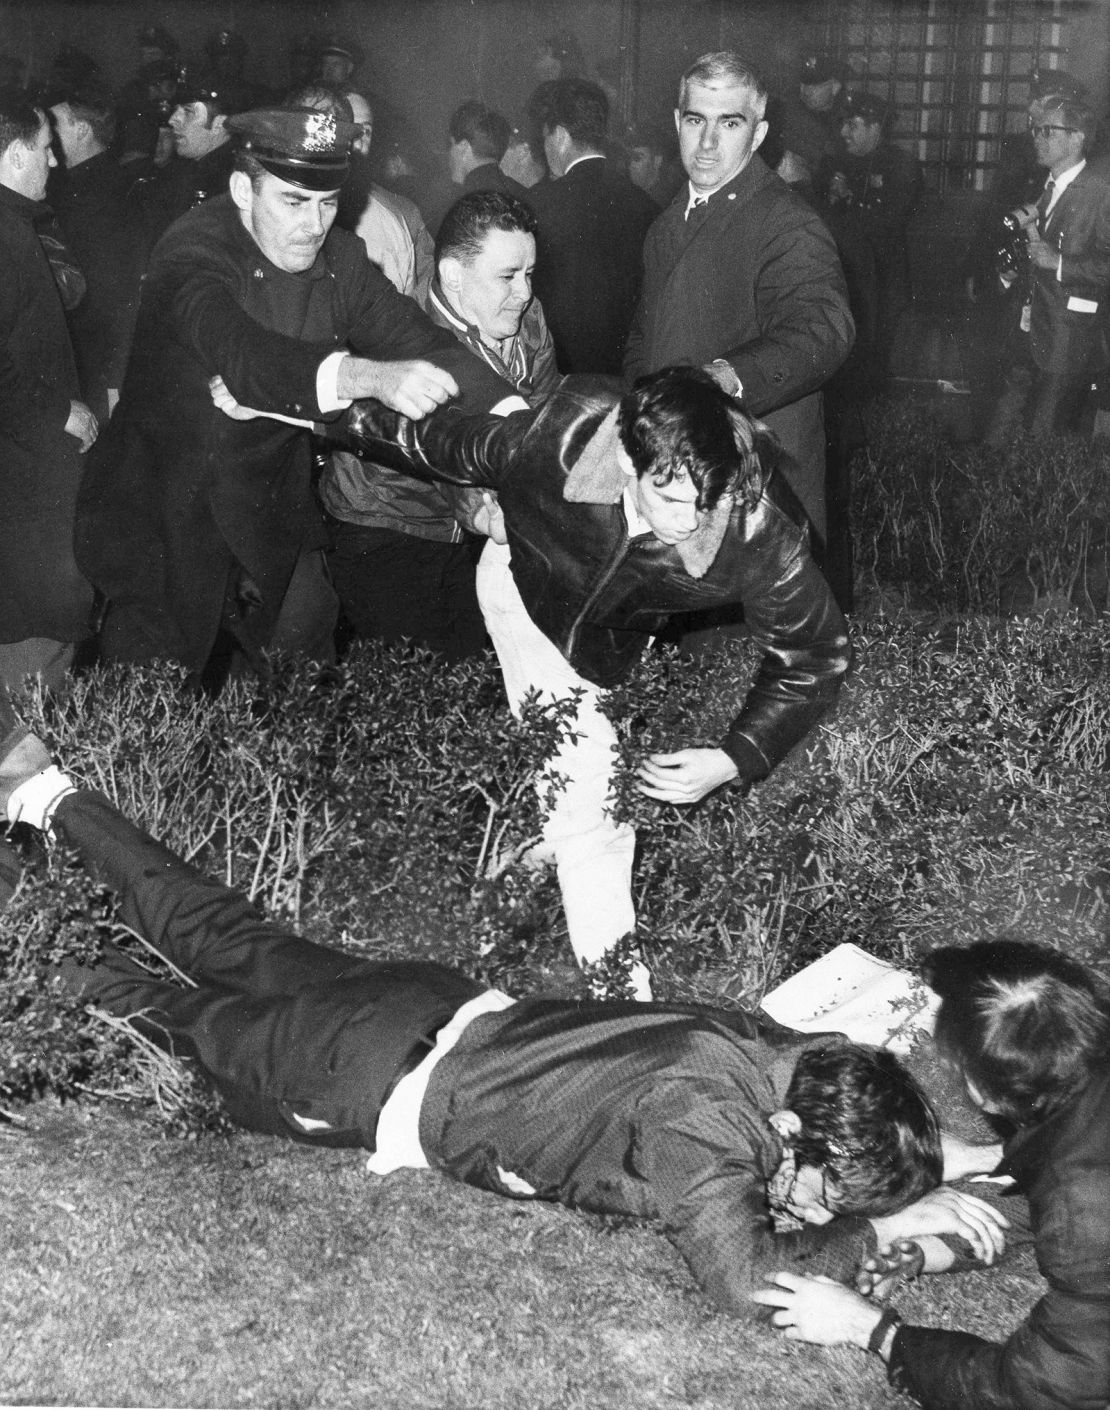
1068, 234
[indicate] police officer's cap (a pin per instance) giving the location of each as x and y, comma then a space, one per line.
220, 93
868, 106
342, 46
300, 145
820, 68
225, 41
153, 36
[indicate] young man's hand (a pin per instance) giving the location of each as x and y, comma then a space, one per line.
686, 775
947, 1211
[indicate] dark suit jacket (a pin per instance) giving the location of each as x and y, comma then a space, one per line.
756, 281
41, 591
175, 493
1066, 338
490, 177
588, 263
103, 229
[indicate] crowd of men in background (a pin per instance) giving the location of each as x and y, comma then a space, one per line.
764, 242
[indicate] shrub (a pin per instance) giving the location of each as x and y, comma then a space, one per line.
973, 529
960, 788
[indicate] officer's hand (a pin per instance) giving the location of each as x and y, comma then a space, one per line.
81, 425
686, 775
413, 388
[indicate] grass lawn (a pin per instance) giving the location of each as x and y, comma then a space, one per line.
140, 1270
960, 788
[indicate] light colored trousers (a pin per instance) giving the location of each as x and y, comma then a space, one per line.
593, 854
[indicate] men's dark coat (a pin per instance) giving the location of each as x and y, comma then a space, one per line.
1060, 1355
588, 262
42, 593
103, 229
650, 1110
178, 495
1068, 335
600, 595
753, 278
490, 177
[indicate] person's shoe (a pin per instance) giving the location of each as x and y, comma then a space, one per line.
22, 756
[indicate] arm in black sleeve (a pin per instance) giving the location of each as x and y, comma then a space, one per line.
793, 618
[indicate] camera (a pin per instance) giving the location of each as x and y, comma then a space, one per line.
1012, 252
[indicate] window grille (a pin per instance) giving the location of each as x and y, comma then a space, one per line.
957, 74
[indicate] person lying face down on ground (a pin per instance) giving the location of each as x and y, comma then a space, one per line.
715, 1122
1029, 1032
620, 511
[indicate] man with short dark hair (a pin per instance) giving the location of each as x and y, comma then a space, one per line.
103, 230
617, 515
478, 138
716, 1122
1029, 1030
741, 275
45, 428
592, 223
204, 536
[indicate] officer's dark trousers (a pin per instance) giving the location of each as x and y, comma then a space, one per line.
282, 1027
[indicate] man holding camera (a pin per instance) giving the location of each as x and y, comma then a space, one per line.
1068, 237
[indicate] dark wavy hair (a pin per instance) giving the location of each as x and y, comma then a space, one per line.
867, 1124
1023, 1023
678, 420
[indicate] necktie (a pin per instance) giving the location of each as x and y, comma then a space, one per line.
1044, 203
697, 213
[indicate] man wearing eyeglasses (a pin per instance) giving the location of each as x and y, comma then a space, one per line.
1068, 235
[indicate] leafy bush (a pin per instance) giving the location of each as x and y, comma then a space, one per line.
971, 529
959, 789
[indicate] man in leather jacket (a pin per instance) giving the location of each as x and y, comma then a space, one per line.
618, 513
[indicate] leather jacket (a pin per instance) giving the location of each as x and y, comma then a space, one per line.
599, 594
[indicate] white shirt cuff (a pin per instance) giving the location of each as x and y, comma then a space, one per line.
508, 405
327, 383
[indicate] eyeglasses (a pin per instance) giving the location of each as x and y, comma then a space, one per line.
1042, 129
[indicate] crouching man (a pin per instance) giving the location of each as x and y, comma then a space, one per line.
1029, 1032
709, 1120
619, 512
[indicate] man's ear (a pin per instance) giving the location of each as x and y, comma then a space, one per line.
787, 1124
450, 273
219, 122
760, 133
239, 184
677, 120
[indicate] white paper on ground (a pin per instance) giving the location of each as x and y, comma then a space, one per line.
849, 991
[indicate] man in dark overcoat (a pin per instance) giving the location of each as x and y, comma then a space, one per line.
45, 603
742, 277
592, 223
190, 523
